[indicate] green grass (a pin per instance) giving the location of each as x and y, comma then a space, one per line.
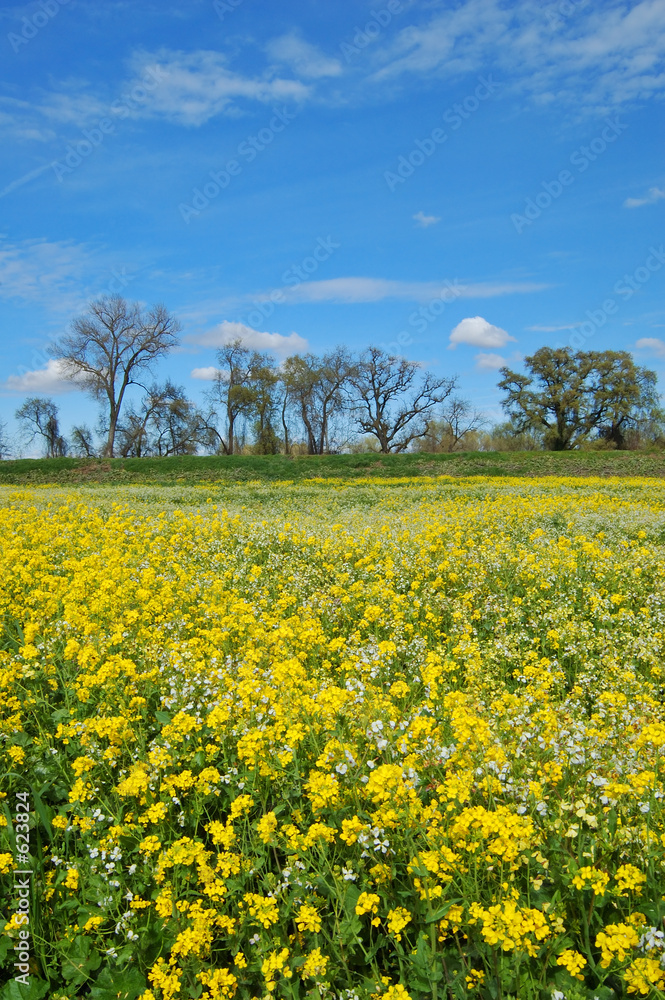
278, 467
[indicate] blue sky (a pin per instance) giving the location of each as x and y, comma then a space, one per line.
460, 182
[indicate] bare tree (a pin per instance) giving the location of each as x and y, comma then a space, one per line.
40, 419
459, 420
393, 398
110, 346
82, 441
5, 447
174, 420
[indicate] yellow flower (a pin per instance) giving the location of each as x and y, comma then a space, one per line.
315, 965
588, 877
644, 975
266, 827
72, 879
273, 966
396, 993
6, 864
397, 921
616, 941
262, 908
629, 879
572, 961
308, 919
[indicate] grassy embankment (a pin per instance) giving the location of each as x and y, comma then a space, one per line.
280, 467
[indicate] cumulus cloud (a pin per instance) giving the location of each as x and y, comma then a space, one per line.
208, 374
652, 344
490, 362
655, 194
426, 220
49, 380
305, 58
477, 332
256, 340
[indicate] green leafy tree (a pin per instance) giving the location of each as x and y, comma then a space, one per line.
570, 396
624, 396
316, 388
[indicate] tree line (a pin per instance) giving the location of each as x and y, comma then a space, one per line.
337, 401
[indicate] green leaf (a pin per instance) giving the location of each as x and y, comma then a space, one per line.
17, 991
79, 963
125, 985
441, 912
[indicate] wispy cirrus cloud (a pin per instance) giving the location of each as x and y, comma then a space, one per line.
654, 194
304, 58
600, 57
553, 329
196, 86
363, 289
187, 88
41, 270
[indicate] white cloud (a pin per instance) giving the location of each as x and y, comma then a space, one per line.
208, 374
188, 88
652, 344
490, 362
48, 380
553, 329
193, 87
305, 58
20, 181
655, 194
352, 289
600, 57
478, 332
41, 271
426, 220
225, 332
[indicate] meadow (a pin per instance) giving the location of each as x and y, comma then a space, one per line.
341, 739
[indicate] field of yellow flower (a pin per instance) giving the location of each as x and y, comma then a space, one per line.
398, 739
